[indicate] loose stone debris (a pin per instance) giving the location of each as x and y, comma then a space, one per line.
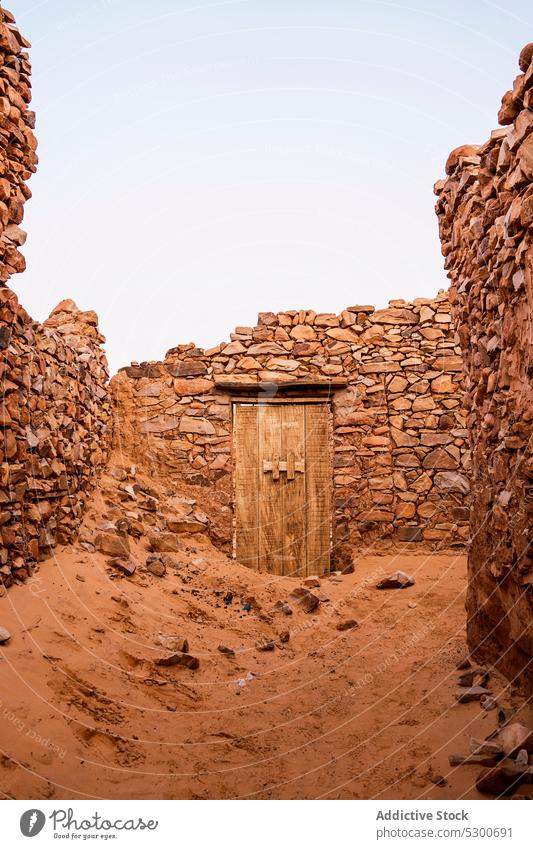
504, 753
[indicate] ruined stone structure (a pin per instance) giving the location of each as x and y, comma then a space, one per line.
55, 410
485, 209
394, 380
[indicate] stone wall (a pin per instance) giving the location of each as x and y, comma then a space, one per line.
485, 209
401, 462
17, 144
55, 428
55, 409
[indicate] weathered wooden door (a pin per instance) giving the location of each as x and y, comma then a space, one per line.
282, 487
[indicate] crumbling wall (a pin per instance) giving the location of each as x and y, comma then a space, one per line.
55, 428
55, 409
485, 209
401, 462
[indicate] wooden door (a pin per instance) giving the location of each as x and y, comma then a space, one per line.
282, 487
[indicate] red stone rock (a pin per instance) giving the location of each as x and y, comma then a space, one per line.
526, 54
304, 599
461, 151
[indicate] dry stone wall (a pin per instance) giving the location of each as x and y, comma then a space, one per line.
400, 458
55, 409
55, 428
18, 159
485, 209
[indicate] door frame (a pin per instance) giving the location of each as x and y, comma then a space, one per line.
293, 394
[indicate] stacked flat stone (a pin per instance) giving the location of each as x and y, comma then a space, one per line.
400, 457
485, 209
18, 159
55, 434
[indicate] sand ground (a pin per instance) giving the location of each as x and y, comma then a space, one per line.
365, 713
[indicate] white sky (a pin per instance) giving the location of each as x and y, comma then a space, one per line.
202, 161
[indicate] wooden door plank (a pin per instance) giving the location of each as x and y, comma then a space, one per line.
318, 489
294, 509
270, 507
290, 463
246, 446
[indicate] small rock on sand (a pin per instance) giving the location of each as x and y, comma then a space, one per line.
305, 599
266, 645
515, 737
499, 780
471, 694
179, 659
474, 677
226, 650
4, 635
396, 581
112, 544
155, 566
282, 607
347, 625
312, 581
127, 567
175, 644
165, 541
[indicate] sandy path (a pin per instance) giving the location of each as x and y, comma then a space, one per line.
358, 714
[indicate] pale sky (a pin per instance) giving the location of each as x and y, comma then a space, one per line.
203, 161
